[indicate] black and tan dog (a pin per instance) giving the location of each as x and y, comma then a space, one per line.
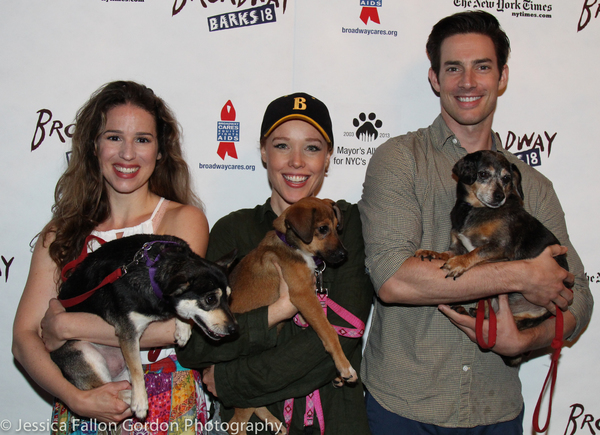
163, 278
490, 224
304, 233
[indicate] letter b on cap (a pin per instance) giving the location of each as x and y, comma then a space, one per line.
299, 103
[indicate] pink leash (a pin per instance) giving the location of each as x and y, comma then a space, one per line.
313, 400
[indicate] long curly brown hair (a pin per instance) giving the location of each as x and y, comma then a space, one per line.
81, 200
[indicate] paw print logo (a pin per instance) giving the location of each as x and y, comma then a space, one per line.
367, 130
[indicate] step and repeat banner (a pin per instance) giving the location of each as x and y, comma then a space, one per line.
218, 63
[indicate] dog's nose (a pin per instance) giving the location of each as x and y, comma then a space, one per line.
232, 328
498, 196
338, 255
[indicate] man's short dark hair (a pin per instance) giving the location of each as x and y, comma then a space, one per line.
480, 22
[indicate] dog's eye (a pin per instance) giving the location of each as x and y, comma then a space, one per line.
211, 299
506, 179
483, 175
323, 229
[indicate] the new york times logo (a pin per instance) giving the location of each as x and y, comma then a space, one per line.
248, 17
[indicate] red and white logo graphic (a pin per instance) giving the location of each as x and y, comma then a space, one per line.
228, 132
369, 10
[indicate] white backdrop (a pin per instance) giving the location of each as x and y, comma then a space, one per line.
55, 53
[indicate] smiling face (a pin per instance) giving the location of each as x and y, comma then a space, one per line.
127, 149
297, 157
469, 81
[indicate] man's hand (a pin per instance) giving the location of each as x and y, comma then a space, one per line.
546, 286
509, 340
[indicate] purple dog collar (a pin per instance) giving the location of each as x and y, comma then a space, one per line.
318, 261
151, 263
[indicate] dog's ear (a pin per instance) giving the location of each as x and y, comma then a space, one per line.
466, 168
516, 180
338, 215
301, 220
337, 212
227, 260
180, 289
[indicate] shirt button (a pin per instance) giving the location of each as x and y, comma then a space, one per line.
466, 368
455, 141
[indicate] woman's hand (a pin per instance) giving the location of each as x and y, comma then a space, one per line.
282, 309
102, 403
208, 378
50, 324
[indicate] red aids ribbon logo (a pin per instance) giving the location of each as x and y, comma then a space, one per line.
369, 13
228, 132
369, 10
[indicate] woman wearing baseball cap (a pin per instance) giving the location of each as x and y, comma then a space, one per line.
263, 367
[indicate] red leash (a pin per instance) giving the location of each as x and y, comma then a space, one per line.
552, 371
115, 275
479, 325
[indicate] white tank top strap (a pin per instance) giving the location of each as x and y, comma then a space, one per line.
159, 213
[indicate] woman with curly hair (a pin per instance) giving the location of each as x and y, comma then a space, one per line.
126, 175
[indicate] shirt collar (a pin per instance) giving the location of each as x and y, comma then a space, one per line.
266, 211
444, 136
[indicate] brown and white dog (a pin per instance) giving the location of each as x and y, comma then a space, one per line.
489, 223
306, 231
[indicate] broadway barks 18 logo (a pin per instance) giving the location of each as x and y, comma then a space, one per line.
529, 147
180, 4
248, 17
239, 18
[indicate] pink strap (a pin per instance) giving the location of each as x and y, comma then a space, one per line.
359, 325
313, 406
288, 409
313, 400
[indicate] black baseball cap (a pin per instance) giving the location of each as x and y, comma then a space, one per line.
300, 106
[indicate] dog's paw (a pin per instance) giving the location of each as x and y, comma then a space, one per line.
139, 404
453, 268
349, 376
461, 310
431, 255
183, 332
338, 382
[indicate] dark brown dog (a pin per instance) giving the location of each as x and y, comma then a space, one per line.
490, 224
305, 231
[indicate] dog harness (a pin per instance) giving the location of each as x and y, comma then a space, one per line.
313, 400
556, 345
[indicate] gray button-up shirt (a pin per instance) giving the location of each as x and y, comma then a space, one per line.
416, 363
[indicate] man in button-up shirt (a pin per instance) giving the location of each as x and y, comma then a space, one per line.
422, 367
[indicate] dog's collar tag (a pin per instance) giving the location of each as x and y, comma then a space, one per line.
319, 280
